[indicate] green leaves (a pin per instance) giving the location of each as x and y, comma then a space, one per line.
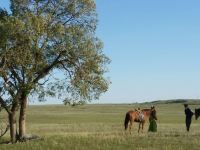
42, 37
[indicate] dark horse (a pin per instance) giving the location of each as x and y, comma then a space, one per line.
138, 116
197, 113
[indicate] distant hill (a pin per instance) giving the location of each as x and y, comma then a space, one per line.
172, 101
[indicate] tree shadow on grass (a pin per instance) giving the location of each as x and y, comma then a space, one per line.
24, 139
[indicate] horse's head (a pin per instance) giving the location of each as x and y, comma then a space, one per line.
153, 114
197, 113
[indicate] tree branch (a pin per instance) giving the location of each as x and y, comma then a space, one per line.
69, 72
44, 81
4, 105
45, 70
15, 74
8, 88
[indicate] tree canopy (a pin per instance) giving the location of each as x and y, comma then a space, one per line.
43, 36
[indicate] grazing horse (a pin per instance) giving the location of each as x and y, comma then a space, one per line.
197, 113
139, 117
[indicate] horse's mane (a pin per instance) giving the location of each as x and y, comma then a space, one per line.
146, 109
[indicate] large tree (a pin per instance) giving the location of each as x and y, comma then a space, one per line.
43, 38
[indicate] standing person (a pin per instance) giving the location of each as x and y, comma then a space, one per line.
188, 116
152, 120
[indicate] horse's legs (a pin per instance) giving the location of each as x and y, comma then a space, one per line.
139, 127
142, 126
130, 125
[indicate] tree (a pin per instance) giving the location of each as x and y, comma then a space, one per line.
41, 37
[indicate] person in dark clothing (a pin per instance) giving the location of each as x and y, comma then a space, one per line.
152, 120
188, 115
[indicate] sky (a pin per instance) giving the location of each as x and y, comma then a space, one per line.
154, 47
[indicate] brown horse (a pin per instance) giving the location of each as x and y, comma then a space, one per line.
138, 116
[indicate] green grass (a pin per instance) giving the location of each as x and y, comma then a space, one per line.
100, 127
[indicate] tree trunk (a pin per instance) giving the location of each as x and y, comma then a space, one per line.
13, 127
22, 117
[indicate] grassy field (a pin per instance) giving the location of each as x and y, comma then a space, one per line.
100, 127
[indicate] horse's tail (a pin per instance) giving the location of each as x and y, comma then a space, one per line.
127, 119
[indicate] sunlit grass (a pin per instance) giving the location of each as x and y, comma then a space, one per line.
101, 127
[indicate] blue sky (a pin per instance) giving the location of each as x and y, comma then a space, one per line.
154, 47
